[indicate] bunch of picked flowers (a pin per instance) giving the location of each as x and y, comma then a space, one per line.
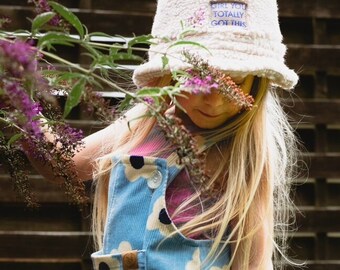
202, 78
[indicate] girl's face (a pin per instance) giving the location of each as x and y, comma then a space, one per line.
209, 111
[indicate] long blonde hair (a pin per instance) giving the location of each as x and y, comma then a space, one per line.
256, 164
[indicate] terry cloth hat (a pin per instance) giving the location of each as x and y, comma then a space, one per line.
243, 37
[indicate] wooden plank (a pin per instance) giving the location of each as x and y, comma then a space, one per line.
68, 3
318, 265
333, 246
333, 191
297, 30
323, 165
44, 191
46, 217
38, 245
304, 194
117, 23
309, 8
144, 6
314, 111
310, 58
13, 265
301, 246
318, 219
111, 22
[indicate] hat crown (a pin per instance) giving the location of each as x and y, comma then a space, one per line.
242, 37
224, 17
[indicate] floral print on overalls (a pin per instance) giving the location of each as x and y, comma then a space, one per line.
139, 233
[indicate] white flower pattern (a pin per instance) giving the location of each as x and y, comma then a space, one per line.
154, 222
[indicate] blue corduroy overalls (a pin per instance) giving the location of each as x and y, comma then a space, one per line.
138, 224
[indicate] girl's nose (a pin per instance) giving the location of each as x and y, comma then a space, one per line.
214, 99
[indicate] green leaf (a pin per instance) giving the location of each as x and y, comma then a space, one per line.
186, 33
148, 92
191, 43
55, 38
99, 34
40, 20
66, 76
91, 50
73, 98
143, 39
125, 103
68, 16
14, 138
165, 61
125, 56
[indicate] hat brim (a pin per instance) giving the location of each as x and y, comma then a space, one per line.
277, 72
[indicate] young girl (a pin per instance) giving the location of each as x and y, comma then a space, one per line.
148, 211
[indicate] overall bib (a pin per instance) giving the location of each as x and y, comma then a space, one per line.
138, 233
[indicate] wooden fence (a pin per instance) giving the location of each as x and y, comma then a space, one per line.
56, 235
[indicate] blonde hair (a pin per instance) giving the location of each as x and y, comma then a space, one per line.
257, 160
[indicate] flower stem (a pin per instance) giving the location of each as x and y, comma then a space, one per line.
11, 124
85, 71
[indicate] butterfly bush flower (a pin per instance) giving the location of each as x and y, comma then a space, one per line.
30, 110
197, 85
42, 6
149, 100
18, 58
197, 19
96, 103
15, 162
202, 78
24, 93
71, 139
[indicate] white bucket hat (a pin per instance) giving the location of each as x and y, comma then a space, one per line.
243, 37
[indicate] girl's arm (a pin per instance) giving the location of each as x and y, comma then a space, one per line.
83, 160
95, 145
261, 250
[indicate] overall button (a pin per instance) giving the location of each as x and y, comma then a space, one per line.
130, 260
155, 180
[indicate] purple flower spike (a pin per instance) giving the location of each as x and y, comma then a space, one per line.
42, 6
29, 110
197, 85
18, 58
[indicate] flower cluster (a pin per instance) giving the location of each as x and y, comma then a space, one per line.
202, 78
18, 58
197, 19
42, 6
198, 85
28, 116
15, 162
24, 96
186, 147
95, 103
